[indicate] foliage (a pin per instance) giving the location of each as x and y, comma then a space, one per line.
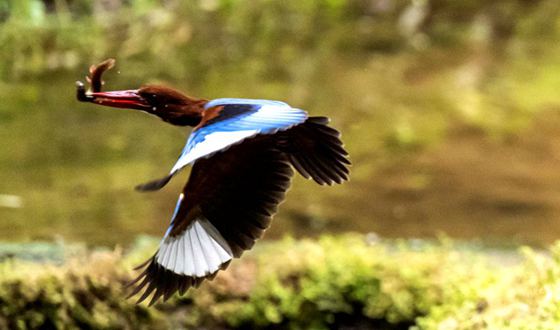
85, 293
409, 70
520, 297
349, 280
262, 37
397, 78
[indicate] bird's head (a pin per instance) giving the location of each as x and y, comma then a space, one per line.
170, 105
167, 103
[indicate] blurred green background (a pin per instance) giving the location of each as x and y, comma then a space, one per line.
449, 110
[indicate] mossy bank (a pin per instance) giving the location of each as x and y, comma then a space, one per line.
351, 280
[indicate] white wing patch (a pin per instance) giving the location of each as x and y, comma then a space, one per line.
212, 143
198, 252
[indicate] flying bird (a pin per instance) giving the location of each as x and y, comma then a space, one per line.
242, 152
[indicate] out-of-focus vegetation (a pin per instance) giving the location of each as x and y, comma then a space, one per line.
354, 281
448, 109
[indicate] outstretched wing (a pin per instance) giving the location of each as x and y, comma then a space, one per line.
227, 122
316, 151
226, 205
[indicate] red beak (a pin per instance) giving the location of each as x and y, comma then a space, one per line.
129, 99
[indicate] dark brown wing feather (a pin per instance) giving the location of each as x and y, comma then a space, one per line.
317, 152
238, 191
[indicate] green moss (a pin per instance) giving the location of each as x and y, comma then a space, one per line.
84, 293
330, 282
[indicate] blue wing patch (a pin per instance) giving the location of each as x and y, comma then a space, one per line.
238, 120
174, 216
226, 101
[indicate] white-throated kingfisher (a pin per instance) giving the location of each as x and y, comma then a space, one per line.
242, 152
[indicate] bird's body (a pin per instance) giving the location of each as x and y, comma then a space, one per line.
242, 152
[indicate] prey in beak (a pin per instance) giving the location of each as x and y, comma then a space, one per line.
169, 104
129, 99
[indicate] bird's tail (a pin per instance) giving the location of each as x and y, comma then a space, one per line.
316, 151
